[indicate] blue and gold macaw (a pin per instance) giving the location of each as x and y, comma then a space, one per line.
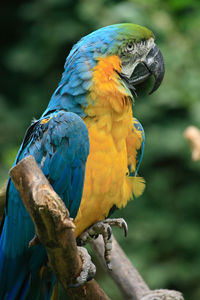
95, 97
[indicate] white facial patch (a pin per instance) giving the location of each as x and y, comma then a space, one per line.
142, 48
138, 54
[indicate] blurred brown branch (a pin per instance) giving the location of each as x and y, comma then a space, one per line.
192, 135
54, 227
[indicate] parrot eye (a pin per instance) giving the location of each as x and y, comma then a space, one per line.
130, 47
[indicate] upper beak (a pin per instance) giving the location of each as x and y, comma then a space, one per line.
152, 64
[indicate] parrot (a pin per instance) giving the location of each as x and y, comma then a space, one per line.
98, 84
88, 144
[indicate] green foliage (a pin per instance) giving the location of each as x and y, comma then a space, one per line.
163, 241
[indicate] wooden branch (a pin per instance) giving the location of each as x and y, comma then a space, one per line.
49, 213
54, 228
127, 277
192, 135
123, 273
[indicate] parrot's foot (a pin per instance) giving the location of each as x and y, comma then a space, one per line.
88, 269
103, 228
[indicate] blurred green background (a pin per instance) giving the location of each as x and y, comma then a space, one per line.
164, 224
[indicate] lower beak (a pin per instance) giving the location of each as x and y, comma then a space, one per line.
152, 64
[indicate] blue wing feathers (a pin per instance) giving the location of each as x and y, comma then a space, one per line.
86, 75
138, 126
138, 129
60, 144
77, 182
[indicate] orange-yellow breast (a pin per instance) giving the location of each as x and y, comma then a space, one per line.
109, 121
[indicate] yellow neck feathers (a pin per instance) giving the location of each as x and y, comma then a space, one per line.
110, 106
107, 91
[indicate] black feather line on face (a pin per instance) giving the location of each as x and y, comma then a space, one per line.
128, 83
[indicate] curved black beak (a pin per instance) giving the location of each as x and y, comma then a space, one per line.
155, 64
152, 64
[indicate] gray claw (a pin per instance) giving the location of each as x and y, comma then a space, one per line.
103, 228
118, 222
109, 231
125, 226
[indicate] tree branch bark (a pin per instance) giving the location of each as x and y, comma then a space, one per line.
127, 277
54, 228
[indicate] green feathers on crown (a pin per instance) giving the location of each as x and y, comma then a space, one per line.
134, 32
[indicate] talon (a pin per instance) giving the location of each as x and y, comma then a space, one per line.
95, 236
125, 226
80, 242
109, 266
109, 231
88, 269
103, 228
35, 241
118, 222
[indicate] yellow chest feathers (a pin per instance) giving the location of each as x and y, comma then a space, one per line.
110, 107
109, 121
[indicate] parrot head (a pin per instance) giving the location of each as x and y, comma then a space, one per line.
140, 56
133, 44
137, 56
